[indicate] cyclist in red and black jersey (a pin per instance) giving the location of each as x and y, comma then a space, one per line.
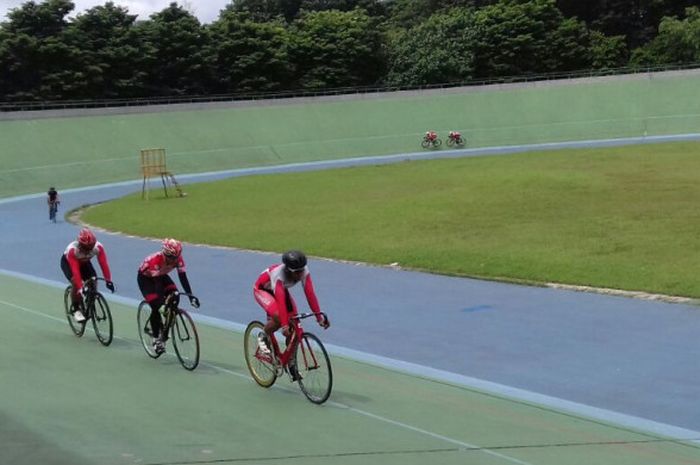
52, 200
76, 265
271, 292
155, 284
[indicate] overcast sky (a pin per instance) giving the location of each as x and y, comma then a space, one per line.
205, 10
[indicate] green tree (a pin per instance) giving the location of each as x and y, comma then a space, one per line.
678, 42
336, 49
636, 20
607, 52
112, 52
373, 7
518, 37
440, 49
266, 10
36, 62
175, 52
248, 55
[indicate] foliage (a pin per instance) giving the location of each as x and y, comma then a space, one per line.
523, 37
607, 51
112, 58
175, 58
336, 49
440, 49
249, 55
678, 41
262, 45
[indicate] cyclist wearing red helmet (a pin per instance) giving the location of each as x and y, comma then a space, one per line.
76, 265
271, 292
155, 284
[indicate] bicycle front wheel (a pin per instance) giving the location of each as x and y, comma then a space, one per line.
314, 366
143, 320
102, 320
185, 340
261, 366
78, 328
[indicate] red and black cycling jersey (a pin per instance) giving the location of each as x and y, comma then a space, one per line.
75, 256
156, 265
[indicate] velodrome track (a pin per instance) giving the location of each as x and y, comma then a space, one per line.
610, 376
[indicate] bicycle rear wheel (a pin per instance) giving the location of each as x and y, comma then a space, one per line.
186, 340
78, 328
102, 320
314, 366
261, 366
143, 316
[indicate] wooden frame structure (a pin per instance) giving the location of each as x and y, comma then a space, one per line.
153, 165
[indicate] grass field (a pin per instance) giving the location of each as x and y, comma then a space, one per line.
623, 217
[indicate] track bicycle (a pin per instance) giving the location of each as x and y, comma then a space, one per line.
94, 307
176, 322
304, 356
456, 139
428, 142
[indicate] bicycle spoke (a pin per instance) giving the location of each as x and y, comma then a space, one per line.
102, 320
78, 328
314, 367
144, 325
185, 340
261, 366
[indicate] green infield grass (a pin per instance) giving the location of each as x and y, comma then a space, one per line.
624, 217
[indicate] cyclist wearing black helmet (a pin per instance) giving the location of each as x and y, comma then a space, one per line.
271, 292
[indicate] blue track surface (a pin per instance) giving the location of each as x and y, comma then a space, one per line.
573, 350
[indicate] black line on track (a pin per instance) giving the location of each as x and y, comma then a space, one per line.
421, 451
532, 404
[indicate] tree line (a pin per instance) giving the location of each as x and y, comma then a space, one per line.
278, 45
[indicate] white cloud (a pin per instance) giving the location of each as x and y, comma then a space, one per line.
206, 10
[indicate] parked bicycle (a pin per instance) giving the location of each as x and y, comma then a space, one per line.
455, 138
431, 140
95, 308
178, 324
304, 359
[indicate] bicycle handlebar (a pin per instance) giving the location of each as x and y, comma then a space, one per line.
177, 295
306, 315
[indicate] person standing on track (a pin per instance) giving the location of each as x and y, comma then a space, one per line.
271, 292
77, 267
155, 284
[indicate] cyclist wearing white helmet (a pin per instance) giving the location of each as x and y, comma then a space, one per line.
155, 284
271, 292
76, 266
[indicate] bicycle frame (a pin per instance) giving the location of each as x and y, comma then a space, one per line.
172, 311
288, 354
89, 295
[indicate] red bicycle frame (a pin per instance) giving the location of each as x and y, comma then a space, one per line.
309, 359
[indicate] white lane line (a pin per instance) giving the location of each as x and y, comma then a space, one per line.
336, 404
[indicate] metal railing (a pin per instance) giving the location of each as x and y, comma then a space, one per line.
9, 106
